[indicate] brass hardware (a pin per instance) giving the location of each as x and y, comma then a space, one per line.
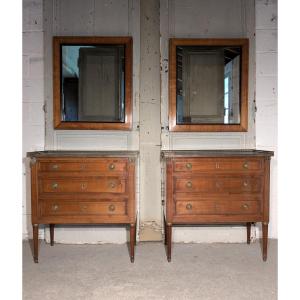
83, 186
84, 207
55, 167
54, 185
189, 166
245, 183
189, 184
245, 206
112, 185
55, 207
189, 206
111, 166
111, 207
245, 165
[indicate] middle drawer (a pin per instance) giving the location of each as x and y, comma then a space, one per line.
83, 185
229, 184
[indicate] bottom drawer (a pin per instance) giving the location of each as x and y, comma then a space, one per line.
217, 207
52, 208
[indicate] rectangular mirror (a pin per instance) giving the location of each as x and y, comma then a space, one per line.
92, 82
208, 84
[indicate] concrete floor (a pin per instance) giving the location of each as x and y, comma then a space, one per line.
197, 271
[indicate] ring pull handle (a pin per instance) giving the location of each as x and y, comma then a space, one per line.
245, 183
189, 166
111, 166
189, 184
112, 185
54, 186
245, 206
55, 207
55, 167
245, 165
189, 206
83, 186
111, 207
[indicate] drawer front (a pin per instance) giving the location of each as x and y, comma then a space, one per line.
84, 185
217, 207
219, 184
105, 165
218, 164
51, 208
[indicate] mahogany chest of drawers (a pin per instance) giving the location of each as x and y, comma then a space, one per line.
217, 187
83, 187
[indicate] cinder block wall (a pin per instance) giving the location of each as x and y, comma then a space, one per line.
266, 93
33, 96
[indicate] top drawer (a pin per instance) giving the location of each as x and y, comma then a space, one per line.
217, 164
93, 165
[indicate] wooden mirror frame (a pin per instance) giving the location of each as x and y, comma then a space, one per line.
58, 123
243, 126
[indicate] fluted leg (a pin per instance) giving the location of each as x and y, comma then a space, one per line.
51, 234
35, 228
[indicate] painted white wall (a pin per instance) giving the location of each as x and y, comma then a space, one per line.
33, 97
266, 94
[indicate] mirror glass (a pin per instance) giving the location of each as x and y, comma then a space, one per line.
92, 83
208, 84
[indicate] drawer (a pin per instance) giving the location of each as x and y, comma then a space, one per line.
98, 165
219, 184
83, 185
52, 208
217, 207
218, 164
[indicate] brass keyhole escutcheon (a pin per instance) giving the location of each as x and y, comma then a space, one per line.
55, 207
189, 184
54, 186
111, 207
55, 167
245, 206
245, 165
111, 166
189, 166
189, 206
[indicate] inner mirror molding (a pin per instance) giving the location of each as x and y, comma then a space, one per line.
92, 82
208, 85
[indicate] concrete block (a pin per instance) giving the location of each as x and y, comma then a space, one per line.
111, 17
266, 40
266, 64
201, 18
33, 114
36, 67
266, 14
33, 90
266, 87
32, 15
33, 43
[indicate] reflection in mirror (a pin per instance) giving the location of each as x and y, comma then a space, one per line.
208, 84
92, 83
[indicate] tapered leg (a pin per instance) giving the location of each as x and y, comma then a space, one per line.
165, 230
248, 232
51, 234
265, 240
132, 241
135, 233
35, 242
169, 241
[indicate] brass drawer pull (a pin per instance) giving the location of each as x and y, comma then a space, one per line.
83, 186
189, 184
112, 185
245, 183
189, 166
111, 207
84, 207
55, 167
245, 206
245, 165
55, 207
54, 186
189, 206
111, 166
